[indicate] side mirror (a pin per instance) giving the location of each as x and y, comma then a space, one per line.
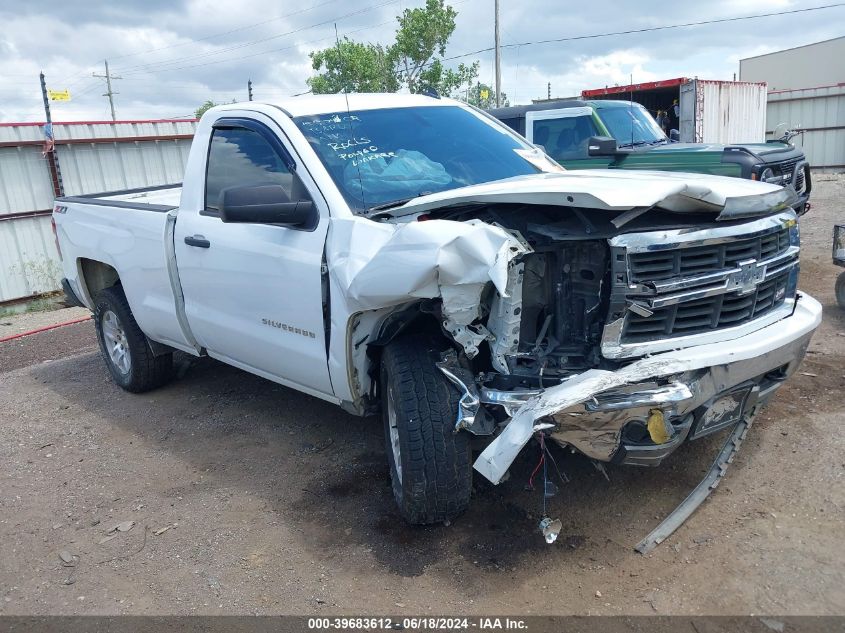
265, 204
602, 146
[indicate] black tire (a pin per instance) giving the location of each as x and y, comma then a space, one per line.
141, 370
434, 481
840, 290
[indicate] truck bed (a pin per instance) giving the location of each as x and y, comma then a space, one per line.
131, 232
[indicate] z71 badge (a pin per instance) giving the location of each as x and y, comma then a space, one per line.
288, 328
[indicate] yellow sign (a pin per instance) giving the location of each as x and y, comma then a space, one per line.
59, 95
485, 93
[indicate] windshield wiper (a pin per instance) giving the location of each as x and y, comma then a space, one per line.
635, 144
391, 205
397, 203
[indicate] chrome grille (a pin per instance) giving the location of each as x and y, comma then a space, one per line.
710, 313
786, 169
699, 285
695, 260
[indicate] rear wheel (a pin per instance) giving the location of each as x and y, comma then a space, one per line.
124, 347
840, 290
430, 466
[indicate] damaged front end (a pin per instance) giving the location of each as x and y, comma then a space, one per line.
618, 331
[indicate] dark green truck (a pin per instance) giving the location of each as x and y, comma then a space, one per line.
606, 134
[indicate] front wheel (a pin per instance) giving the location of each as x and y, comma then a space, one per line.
840, 290
430, 465
125, 348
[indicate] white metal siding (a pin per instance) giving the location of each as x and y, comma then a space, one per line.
819, 111
25, 183
730, 112
28, 257
29, 263
109, 167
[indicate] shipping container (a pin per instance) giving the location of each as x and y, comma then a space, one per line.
709, 111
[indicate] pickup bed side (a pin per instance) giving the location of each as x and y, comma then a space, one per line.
125, 236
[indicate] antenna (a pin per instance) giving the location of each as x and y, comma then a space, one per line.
349, 114
631, 107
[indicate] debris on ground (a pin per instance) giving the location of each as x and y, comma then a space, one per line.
124, 526
550, 529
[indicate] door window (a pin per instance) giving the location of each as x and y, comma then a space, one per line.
239, 156
565, 138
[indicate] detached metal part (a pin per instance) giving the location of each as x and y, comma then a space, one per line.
700, 492
470, 417
550, 529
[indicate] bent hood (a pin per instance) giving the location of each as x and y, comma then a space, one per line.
617, 190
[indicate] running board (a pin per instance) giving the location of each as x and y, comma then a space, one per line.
700, 492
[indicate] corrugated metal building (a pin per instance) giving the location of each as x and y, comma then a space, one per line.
92, 157
809, 66
820, 113
806, 92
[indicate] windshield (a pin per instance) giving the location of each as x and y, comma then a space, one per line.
631, 125
376, 157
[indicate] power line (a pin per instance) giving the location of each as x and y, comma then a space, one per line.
646, 30
109, 92
260, 53
161, 66
157, 66
222, 33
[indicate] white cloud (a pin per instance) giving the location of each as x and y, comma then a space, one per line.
198, 60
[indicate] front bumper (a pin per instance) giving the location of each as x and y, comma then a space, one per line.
594, 411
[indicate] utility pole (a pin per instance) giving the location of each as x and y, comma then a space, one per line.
549, 91
109, 92
498, 57
249, 88
51, 156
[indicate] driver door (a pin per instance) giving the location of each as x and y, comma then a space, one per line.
253, 292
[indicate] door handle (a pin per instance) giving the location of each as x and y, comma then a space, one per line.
197, 240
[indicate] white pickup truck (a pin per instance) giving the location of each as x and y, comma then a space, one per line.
411, 255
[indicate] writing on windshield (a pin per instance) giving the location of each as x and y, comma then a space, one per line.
381, 156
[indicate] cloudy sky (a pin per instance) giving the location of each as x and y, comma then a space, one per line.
175, 54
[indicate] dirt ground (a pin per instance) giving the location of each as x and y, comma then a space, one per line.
279, 503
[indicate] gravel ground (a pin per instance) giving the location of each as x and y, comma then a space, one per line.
48, 345
247, 497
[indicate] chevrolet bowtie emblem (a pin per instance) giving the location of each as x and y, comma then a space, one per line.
747, 276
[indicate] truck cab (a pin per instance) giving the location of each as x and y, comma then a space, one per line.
565, 128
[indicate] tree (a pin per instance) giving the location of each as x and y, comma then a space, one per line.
205, 107
420, 39
484, 97
352, 67
414, 60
